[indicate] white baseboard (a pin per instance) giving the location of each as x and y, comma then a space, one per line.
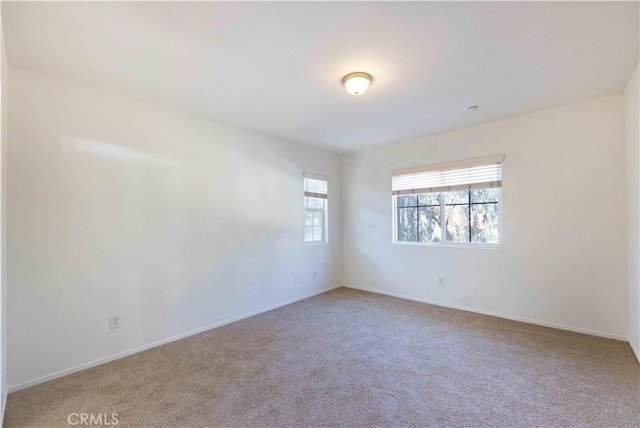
4, 406
100, 361
494, 314
635, 350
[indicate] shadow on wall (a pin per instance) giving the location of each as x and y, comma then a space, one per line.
186, 235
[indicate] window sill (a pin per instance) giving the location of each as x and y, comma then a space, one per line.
315, 243
451, 245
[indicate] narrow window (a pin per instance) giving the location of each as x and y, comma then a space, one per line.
457, 203
315, 208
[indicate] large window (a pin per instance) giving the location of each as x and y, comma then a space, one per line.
315, 208
456, 203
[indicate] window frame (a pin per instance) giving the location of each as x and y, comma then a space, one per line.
309, 193
325, 225
444, 242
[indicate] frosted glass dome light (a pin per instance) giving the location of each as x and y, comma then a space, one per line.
356, 83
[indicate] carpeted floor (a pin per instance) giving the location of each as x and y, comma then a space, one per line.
355, 359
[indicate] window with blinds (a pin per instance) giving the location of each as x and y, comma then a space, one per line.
455, 203
315, 207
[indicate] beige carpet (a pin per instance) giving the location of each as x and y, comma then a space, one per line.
355, 359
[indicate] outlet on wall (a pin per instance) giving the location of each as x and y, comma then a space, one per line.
441, 281
314, 275
296, 279
115, 322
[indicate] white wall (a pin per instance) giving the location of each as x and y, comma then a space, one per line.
4, 81
173, 222
564, 256
632, 124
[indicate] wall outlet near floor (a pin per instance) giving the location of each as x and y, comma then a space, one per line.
296, 279
441, 281
314, 274
115, 322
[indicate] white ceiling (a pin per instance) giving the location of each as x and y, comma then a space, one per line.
276, 68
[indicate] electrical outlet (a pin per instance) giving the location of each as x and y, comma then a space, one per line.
441, 281
314, 275
296, 279
115, 322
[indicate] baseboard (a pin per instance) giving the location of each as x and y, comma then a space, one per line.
493, 314
4, 406
635, 350
100, 361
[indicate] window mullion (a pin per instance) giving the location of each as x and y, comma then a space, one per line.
417, 220
443, 233
469, 211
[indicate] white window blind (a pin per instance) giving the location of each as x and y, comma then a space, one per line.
472, 174
315, 186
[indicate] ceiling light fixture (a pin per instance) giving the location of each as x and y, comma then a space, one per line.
356, 83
